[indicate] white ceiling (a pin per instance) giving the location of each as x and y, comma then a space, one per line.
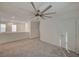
21, 11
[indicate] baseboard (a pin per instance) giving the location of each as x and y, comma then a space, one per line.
34, 37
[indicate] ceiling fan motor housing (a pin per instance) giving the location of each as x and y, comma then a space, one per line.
38, 13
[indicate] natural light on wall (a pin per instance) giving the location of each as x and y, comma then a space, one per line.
27, 27
2, 28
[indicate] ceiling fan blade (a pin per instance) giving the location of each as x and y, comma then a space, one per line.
46, 8
33, 6
48, 16
42, 17
50, 13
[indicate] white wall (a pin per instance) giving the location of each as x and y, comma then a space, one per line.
8, 37
28, 26
77, 35
64, 21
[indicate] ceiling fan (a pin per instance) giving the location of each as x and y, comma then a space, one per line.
43, 13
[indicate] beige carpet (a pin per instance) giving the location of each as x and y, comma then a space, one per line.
32, 48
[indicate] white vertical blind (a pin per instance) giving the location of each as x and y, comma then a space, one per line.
14, 28
2, 28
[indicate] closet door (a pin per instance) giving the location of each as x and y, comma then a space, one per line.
34, 29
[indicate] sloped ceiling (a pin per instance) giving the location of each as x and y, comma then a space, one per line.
21, 11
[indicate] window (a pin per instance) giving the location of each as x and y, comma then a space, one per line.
2, 28
13, 28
